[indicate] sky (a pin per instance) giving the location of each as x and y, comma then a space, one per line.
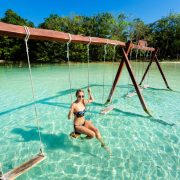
36, 10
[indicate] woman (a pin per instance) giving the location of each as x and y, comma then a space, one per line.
82, 126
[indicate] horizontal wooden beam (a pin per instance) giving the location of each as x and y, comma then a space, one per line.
50, 35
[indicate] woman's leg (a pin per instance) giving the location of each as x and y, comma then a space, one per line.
84, 130
90, 126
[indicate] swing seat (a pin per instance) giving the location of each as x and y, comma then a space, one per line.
74, 135
107, 110
13, 174
146, 86
133, 93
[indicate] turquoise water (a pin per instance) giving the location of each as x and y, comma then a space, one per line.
142, 147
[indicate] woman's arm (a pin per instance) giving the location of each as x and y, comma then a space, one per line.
70, 114
91, 99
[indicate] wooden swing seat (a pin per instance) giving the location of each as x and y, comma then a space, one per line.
14, 173
74, 135
107, 110
133, 93
145, 86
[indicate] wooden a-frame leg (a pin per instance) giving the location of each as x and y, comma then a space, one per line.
147, 69
135, 83
118, 74
161, 71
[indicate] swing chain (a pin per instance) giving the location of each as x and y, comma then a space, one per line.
32, 86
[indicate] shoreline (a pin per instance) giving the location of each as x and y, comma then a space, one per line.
22, 63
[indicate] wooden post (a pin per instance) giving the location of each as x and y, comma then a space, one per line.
135, 83
162, 74
118, 74
145, 72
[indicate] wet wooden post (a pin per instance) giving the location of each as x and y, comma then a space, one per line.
162, 74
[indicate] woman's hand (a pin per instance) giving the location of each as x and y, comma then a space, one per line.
91, 99
89, 90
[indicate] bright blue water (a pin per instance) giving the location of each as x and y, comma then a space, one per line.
142, 147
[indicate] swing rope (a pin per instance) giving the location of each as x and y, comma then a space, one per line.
114, 56
130, 57
105, 53
88, 57
137, 51
148, 73
138, 65
1, 172
113, 60
148, 57
32, 87
72, 134
69, 68
109, 108
143, 66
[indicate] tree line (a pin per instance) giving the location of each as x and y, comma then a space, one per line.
163, 33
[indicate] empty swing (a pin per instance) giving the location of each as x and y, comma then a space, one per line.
137, 72
17, 171
107, 109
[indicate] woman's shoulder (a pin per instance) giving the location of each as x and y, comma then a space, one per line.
74, 104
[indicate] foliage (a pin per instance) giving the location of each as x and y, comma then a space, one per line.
164, 33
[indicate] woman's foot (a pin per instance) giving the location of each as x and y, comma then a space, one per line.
106, 148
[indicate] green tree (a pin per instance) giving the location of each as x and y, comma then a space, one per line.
13, 48
166, 35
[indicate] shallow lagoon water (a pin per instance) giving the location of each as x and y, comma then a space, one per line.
142, 147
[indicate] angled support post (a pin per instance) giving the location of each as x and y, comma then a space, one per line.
135, 83
161, 71
118, 74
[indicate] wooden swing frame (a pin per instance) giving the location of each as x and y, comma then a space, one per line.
11, 30
51, 35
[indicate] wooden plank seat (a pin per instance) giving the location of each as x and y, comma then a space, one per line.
107, 109
14, 173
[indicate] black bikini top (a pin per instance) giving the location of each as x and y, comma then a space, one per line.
80, 113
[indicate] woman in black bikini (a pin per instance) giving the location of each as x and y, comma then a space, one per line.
82, 126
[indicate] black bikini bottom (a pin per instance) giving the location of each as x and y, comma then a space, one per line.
78, 125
